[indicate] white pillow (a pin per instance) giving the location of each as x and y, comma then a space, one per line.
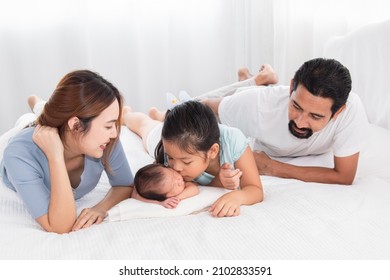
375, 154
135, 209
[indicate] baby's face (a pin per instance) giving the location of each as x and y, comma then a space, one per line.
189, 165
173, 183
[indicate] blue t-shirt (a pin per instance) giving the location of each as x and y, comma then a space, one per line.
232, 145
25, 169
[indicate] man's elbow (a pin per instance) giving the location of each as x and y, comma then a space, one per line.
347, 181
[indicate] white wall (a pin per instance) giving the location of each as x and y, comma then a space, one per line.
149, 47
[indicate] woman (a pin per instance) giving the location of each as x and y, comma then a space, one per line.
61, 156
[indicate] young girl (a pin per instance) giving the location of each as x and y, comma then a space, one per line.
157, 183
193, 143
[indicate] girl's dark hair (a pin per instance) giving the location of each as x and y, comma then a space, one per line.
148, 179
192, 126
326, 78
83, 94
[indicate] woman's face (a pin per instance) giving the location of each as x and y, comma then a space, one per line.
189, 166
103, 129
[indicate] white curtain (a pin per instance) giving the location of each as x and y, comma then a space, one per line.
149, 47
302, 27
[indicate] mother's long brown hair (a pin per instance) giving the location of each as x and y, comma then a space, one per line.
83, 94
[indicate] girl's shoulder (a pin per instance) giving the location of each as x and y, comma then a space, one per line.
232, 144
229, 132
232, 137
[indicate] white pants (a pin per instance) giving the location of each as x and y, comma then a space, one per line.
21, 122
228, 90
154, 136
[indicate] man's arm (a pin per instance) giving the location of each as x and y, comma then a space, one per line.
343, 173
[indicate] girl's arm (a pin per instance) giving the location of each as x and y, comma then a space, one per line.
250, 192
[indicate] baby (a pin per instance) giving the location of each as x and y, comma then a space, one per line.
159, 184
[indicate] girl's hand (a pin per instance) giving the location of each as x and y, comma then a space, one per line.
88, 217
227, 205
48, 140
170, 202
230, 178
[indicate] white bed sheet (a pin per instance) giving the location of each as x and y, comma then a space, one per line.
295, 221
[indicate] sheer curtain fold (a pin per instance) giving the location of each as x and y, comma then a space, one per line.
302, 27
149, 47
145, 48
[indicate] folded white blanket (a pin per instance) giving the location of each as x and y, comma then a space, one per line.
133, 209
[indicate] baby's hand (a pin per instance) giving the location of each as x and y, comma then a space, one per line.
230, 178
170, 202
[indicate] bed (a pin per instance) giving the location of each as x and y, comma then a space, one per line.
296, 220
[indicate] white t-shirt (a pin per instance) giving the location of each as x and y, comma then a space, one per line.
261, 112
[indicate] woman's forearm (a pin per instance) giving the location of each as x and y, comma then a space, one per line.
62, 208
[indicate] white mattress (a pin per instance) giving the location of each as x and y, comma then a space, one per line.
295, 221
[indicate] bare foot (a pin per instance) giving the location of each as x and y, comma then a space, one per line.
244, 74
32, 100
266, 75
126, 109
156, 114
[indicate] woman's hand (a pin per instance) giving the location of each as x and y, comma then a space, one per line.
88, 217
230, 178
48, 140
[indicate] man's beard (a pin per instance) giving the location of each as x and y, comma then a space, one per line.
301, 133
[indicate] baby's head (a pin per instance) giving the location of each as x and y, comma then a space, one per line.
158, 182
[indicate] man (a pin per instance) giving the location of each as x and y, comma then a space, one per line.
316, 114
